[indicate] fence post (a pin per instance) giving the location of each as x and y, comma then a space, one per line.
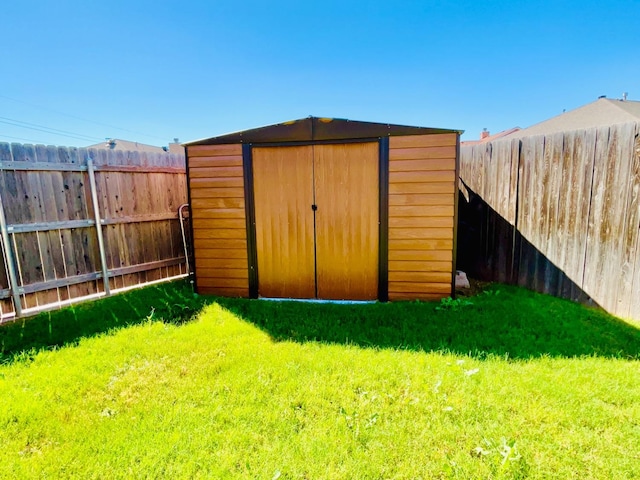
96, 213
11, 266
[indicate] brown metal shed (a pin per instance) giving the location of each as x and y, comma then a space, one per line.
325, 208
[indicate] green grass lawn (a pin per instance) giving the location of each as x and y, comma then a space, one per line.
158, 383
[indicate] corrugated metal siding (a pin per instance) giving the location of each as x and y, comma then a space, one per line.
422, 193
216, 184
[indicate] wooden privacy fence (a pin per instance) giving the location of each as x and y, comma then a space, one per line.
575, 198
80, 223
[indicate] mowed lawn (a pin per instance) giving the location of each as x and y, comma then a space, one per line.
159, 383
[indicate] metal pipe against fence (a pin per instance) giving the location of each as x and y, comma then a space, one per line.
96, 213
10, 264
184, 237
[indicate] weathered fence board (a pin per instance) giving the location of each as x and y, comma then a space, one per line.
46, 194
571, 202
630, 149
634, 209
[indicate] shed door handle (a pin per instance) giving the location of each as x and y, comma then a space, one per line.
314, 207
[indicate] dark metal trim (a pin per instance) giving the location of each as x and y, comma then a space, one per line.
383, 229
315, 128
194, 278
250, 214
314, 209
315, 142
455, 218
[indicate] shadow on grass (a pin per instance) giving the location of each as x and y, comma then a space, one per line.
504, 320
169, 302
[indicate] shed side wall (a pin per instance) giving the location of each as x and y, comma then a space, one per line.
216, 184
422, 192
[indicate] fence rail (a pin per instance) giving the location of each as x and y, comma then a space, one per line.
574, 198
80, 222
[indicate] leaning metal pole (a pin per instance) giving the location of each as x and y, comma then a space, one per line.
96, 213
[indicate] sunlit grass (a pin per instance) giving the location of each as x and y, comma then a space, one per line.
263, 390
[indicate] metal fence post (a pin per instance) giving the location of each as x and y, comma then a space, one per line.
11, 266
96, 213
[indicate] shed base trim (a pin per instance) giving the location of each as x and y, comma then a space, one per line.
320, 300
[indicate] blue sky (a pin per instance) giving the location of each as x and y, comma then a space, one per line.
150, 71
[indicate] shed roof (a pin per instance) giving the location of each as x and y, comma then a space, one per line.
601, 113
318, 129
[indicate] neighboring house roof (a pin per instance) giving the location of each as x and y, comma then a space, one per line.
490, 138
602, 112
315, 128
118, 144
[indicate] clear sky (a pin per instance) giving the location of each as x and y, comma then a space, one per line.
149, 71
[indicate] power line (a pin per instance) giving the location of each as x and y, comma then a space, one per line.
80, 118
21, 138
50, 132
45, 129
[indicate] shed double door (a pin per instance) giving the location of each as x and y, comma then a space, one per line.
316, 221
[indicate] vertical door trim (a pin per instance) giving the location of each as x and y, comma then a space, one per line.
194, 277
383, 228
456, 196
250, 215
